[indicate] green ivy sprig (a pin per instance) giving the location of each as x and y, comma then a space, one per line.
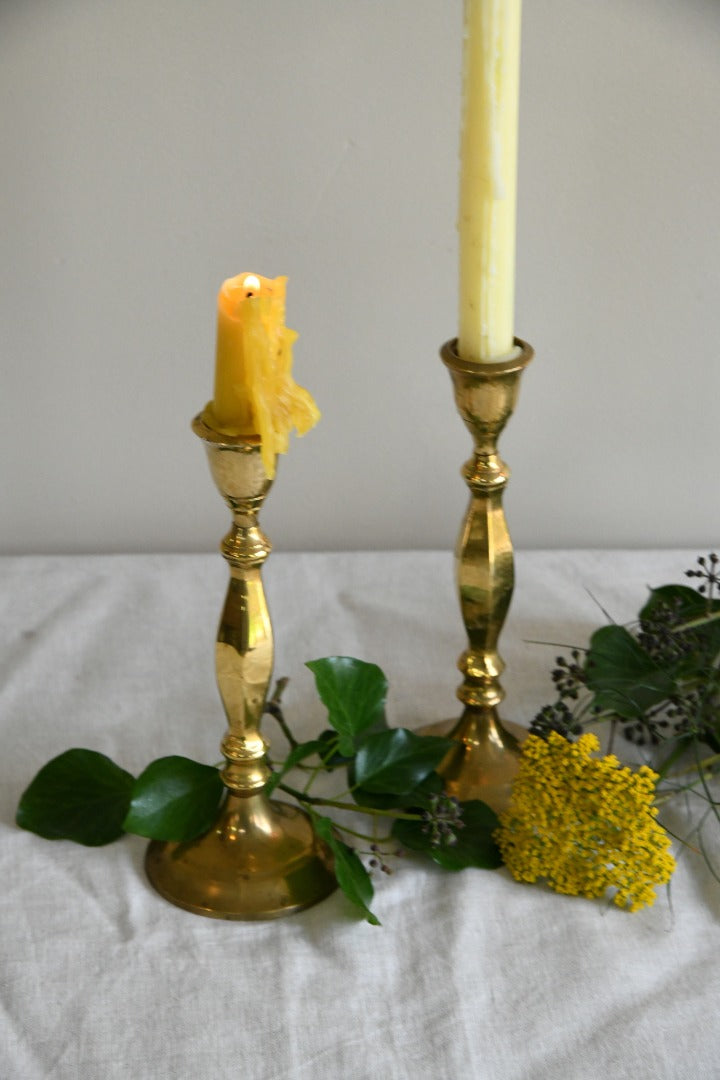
657, 682
657, 679
389, 777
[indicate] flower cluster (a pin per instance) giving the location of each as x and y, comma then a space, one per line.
442, 820
584, 824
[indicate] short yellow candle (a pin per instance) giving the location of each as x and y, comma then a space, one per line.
488, 179
255, 393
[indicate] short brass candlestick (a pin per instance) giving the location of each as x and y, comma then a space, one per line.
261, 858
485, 759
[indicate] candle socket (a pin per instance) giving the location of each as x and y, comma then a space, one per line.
486, 756
261, 858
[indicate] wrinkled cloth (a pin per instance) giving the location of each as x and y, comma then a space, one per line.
471, 974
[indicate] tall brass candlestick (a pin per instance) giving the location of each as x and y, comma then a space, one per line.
485, 759
261, 858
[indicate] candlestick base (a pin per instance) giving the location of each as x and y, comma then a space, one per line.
483, 763
260, 860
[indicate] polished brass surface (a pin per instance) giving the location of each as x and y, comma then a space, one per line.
261, 858
485, 759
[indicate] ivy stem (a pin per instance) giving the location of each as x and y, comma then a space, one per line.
314, 770
701, 767
611, 740
706, 764
359, 835
272, 706
663, 769
318, 800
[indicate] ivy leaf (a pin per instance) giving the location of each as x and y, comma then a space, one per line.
174, 798
396, 761
694, 612
624, 678
475, 844
296, 755
354, 693
81, 795
329, 738
352, 877
419, 797
686, 601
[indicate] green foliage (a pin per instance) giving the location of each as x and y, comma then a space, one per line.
352, 877
396, 762
329, 750
354, 694
418, 798
659, 678
389, 775
623, 677
473, 844
687, 603
81, 795
174, 799
298, 753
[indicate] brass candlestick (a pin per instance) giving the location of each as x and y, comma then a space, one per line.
261, 858
485, 759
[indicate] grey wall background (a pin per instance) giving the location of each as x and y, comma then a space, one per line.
152, 148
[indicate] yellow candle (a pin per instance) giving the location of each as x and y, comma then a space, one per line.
255, 393
488, 178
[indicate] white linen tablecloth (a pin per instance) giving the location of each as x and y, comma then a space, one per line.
471, 974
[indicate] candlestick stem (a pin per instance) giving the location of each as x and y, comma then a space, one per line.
485, 758
261, 858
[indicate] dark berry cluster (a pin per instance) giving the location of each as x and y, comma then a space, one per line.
569, 676
375, 863
657, 634
651, 729
442, 819
558, 718
708, 572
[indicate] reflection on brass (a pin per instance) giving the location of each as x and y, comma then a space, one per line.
261, 858
485, 759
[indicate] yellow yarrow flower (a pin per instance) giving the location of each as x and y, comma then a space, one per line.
584, 824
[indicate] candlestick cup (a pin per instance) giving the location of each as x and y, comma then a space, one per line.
485, 757
261, 858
